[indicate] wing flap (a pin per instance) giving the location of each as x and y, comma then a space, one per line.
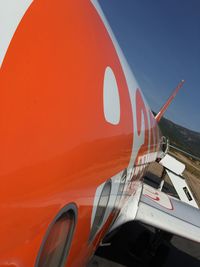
175, 169
182, 189
169, 214
172, 164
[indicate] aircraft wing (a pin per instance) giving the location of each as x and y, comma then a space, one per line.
169, 214
174, 169
182, 189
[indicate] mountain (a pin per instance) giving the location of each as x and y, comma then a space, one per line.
181, 137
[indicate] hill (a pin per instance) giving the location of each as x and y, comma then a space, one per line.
181, 137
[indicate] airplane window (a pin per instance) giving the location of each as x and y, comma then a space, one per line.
56, 246
121, 189
101, 208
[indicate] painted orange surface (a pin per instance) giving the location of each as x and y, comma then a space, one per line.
56, 146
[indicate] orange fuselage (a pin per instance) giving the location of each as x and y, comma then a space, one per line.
56, 145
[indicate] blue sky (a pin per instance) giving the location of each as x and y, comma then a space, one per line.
161, 41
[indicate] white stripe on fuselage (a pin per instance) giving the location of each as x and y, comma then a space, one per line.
11, 13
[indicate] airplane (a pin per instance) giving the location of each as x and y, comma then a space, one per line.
76, 137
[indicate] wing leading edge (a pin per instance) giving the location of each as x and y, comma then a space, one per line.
169, 214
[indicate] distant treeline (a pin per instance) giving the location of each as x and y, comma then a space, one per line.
181, 137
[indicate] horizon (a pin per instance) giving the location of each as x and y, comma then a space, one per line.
164, 117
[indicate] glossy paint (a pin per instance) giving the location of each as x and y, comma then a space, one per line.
60, 141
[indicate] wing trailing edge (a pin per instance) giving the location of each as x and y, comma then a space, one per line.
169, 214
174, 168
